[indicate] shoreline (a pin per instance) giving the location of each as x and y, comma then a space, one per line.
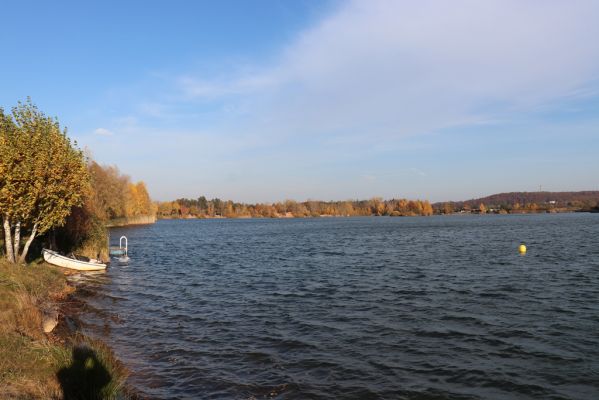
70, 327
43, 352
193, 217
131, 221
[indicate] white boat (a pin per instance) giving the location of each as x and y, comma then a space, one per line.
54, 258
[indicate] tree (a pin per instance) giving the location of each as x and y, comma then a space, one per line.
202, 204
110, 190
228, 209
377, 207
447, 208
482, 208
427, 208
137, 200
115, 196
42, 176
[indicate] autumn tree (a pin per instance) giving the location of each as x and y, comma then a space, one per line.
137, 200
109, 191
42, 176
447, 208
482, 208
115, 196
427, 208
377, 207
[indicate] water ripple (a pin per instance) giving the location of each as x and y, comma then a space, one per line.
356, 308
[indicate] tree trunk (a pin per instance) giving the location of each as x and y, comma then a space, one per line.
26, 248
10, 255
52, 239
17, 240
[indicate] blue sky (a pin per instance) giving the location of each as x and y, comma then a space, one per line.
270, 100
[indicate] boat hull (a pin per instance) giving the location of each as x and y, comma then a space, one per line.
54, 258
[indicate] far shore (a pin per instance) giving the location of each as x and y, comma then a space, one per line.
290, 215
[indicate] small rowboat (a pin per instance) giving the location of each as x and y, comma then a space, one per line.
54, 258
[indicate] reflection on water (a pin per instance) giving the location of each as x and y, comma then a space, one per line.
440, 307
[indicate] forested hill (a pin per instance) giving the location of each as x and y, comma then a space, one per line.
577, 200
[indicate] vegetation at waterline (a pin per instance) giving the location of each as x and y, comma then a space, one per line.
503, 203
204, 208
524, 202
36, 365
112, 195
50, 189
42, 176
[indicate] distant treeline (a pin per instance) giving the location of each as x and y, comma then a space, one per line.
215, 208
523, 202
503, 203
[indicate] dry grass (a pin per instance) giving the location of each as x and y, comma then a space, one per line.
28, 368
31, 362
93, 372
28, 317
91, 250
24, 291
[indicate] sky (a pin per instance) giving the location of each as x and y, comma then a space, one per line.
267, 100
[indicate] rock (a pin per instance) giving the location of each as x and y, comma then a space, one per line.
49, 322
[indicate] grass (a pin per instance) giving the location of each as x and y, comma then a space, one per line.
35, 365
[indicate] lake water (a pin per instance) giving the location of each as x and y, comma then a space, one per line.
356, 308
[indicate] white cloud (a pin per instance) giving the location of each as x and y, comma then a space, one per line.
368, 177
391, 68
103, 132
335, 101
198, 88
418, 171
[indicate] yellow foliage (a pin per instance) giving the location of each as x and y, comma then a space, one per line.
115, 196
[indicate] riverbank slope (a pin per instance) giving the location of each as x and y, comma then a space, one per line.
39, 365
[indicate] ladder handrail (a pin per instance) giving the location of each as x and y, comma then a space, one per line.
121, 243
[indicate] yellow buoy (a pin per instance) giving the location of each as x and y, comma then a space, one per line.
522, 249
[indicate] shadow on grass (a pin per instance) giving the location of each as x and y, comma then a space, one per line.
85, 378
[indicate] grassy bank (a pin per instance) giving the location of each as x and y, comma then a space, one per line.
38, 365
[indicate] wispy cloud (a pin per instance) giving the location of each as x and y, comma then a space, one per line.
396, 68
368, 177
418, 172
103, 132
357, 89
198, 88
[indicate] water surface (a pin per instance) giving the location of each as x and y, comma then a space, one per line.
356, 308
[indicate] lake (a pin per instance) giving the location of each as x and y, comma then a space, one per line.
355, 308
